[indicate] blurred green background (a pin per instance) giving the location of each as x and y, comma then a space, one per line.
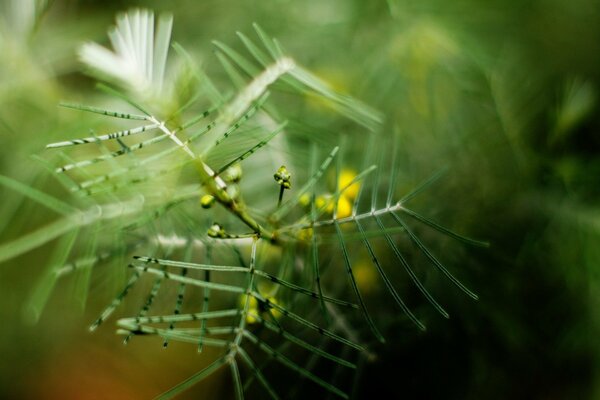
505, 93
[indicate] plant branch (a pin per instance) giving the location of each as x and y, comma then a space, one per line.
217, 186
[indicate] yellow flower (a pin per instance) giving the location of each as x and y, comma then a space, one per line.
274, 312
344, 207
259, 309
326, 203
252, 308
345, 178
321, 202
304, 200
305, 234
365, 275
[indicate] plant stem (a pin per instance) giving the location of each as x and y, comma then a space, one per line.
281, 190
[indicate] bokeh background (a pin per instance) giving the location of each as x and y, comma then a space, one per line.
504, 93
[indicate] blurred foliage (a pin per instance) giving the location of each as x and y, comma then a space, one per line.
503, 93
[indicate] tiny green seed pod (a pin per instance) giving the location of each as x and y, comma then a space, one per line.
207, 201
216, 231
233, 173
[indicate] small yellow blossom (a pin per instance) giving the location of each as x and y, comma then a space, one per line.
321, 202
327, 203
344, 207
304, 200
329, 207
345, 178
365, 275
274, 312
255, 308
305, 234
252, 308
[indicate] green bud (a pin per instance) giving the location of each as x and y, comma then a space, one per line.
216, 231
207, 201
283, 177
233, 173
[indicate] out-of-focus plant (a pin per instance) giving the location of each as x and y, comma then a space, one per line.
285, 245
